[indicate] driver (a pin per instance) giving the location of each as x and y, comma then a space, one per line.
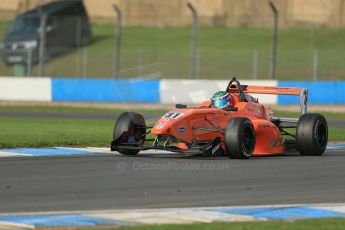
221, 100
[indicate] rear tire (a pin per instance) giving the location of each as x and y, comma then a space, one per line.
129, 127
239, 138
312, 134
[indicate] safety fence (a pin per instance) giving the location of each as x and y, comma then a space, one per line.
164, 91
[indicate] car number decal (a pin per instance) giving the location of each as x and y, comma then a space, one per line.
172, 115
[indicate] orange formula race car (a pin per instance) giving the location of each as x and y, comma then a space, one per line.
232, 123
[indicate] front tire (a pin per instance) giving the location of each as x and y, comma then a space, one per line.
129, 128
312, 134
239, 138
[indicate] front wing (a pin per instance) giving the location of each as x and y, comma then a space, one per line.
211, 148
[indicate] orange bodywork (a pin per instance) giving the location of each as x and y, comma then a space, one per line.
205, 123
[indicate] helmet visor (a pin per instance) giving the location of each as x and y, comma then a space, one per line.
220, 103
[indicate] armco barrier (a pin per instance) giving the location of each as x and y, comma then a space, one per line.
105, 90
324, 92
163, 91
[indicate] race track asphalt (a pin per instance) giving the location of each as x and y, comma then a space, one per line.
167, 180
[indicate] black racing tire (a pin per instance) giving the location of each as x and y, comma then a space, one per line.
312, 134
239, 138
129, 124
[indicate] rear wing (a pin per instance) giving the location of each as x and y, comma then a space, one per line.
301, 92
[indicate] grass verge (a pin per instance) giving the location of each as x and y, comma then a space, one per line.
19, 132
47, 132
34, 132
224, 52
328, 115
307, 224
81, 108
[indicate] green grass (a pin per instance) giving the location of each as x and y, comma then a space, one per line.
19, 132
336, 134
328, 115
224, 52
308, 224
32, 132
85, 108
47, 132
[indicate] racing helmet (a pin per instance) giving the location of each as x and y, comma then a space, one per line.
221, 99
